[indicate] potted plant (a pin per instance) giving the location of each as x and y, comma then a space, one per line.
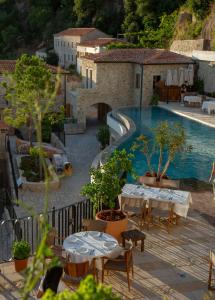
105, 186
103, 136
168, 140
21, 251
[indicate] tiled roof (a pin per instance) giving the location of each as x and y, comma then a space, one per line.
100, 42
8, 66
75, 31
139, 56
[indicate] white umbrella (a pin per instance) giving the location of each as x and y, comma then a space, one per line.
175, 77
181, 76
169, 78
190, 74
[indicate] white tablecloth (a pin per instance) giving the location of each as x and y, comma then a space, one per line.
86, 245
208, 106
193, 99
181, 199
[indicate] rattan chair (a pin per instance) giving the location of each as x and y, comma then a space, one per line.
93, 225
123, 263
135, 207
211, 270
162, 211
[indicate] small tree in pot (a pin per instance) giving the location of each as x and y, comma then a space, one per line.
168, 141
106, 184
21, 251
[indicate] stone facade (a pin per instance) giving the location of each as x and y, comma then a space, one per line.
66, 46
154, 70
115, 84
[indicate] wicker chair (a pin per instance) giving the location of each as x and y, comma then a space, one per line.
93, 225
135, 207
123, 263
162, 211
211, 270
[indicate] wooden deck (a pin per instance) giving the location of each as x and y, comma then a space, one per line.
173, 265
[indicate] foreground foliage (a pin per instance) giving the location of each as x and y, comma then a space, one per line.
88, 290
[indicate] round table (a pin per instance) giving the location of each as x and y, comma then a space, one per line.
86, 245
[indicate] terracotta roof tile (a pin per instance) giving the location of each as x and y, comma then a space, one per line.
100, 42
8, 66
139, 56
75, 31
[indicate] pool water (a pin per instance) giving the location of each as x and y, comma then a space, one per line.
196, 164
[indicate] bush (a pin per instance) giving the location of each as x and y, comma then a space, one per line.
199, 86
103, 136
154, 99
21, 249
88, 290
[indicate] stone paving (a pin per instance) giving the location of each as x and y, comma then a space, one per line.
173, 266
83, 149
190, 112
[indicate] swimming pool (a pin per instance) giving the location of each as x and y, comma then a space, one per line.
195, 164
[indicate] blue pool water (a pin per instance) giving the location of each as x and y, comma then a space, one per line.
195, 164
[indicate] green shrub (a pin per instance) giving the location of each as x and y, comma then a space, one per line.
21, 249
103, 136
199, 86
88, 290
154, 99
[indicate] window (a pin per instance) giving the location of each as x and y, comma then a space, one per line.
68, 57
72, 44
91, 79
61, 43
68, 44
72, 57
64, 44
87, 78
137, 81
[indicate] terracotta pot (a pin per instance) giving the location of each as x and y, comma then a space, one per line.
163, 183
114, 228
151, 181
20, 264
169, 183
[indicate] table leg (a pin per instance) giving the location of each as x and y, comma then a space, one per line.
142, 245
123, 242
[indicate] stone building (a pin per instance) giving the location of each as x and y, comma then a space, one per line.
186, 47
92, 47
65, 43
121, 77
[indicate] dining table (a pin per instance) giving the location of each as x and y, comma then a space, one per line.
181, 199
208, 106
87, 245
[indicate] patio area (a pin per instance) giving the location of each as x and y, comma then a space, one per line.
193, 113
173, 265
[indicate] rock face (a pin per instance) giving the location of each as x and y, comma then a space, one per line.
208, 28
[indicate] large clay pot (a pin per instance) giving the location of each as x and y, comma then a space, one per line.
20, 264
114, 228
151, 181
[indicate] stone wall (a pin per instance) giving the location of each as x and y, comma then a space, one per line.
186, 47
154, 70
113, 85
206, 72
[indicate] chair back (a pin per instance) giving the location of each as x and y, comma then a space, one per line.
212, 257
78, 269
161, 205
50, 240
131, 203
94, 225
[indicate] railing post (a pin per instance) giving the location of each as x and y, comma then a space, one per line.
53, 216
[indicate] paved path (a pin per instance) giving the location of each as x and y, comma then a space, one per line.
83, 149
